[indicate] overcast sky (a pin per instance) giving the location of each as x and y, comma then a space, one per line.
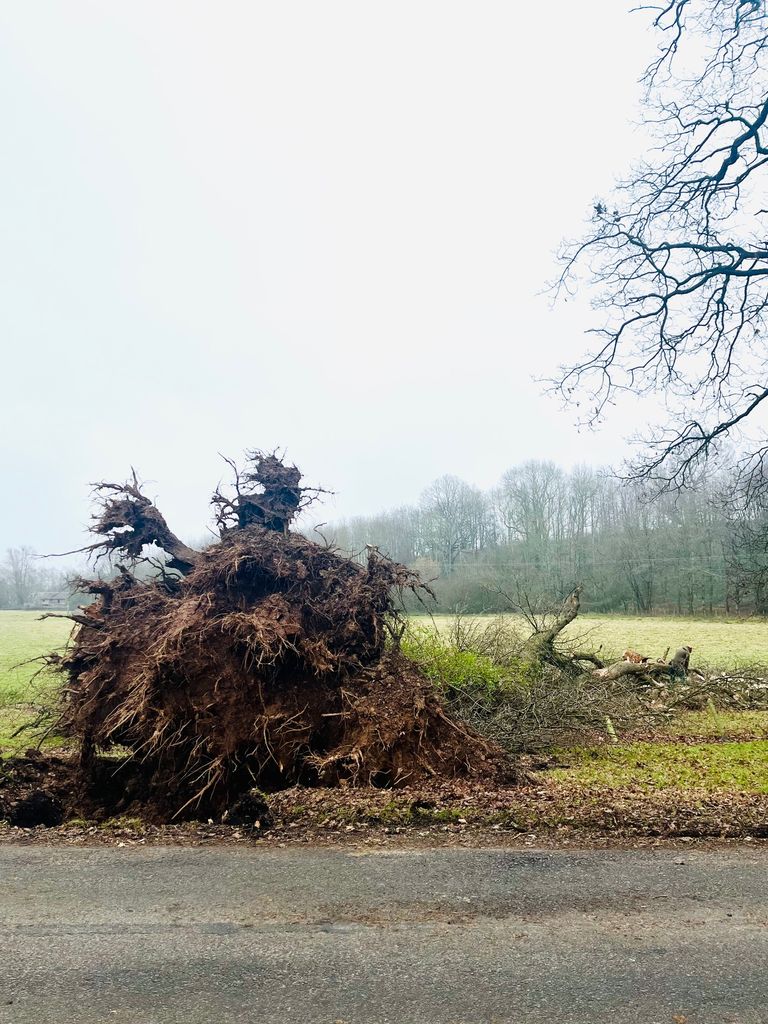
320, 225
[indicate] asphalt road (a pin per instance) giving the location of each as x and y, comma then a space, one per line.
213, 936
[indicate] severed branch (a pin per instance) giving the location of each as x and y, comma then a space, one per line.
629, 668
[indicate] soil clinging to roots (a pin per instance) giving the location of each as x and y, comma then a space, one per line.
265, 661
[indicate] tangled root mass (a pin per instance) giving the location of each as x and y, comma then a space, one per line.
266, 660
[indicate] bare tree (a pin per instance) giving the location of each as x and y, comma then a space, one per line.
455, 519
677, 256
21, 574
530, 502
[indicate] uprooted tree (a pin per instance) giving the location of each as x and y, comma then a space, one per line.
545, 645
641, 669
267, 659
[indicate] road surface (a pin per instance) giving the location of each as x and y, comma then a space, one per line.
214, 936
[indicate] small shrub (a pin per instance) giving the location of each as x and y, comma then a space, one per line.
453, 669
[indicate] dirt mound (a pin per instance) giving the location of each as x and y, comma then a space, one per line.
272, 661
33, 790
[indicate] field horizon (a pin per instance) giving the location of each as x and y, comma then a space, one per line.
718, 643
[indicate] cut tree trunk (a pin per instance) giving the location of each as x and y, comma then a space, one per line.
619, 669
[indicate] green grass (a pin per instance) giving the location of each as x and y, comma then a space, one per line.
715, 724
451, 668
739, 767
719, 643
22, 638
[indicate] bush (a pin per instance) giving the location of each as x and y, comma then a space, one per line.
486, 675
451, 668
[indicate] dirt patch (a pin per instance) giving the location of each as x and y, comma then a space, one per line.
34, 790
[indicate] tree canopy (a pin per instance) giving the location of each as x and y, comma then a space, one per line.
676, 258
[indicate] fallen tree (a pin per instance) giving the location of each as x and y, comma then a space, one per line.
531, 689
545, 646
649, 670
266, 660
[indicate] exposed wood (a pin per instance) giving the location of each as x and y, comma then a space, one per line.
629, 668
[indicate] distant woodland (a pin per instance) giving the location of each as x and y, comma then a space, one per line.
542, 530
27, 581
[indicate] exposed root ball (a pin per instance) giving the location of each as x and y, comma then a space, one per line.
267, 665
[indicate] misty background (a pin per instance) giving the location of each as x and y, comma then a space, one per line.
329, 229
320, 227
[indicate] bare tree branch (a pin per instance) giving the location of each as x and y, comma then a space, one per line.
677, 258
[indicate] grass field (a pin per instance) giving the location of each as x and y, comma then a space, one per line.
720, 644
23, 637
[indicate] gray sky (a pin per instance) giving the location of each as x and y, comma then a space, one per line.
320, 225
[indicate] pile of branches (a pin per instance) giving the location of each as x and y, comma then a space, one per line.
535, 689
742, 689
266, 660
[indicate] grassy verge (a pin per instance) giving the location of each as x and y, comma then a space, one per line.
714, 789
737, 767
23, 688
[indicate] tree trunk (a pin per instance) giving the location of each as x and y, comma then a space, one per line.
541, 646
619, 669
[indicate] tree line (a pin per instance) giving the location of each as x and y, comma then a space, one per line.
542, 530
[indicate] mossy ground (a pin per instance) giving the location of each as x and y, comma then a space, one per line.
735, 766
707, 751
